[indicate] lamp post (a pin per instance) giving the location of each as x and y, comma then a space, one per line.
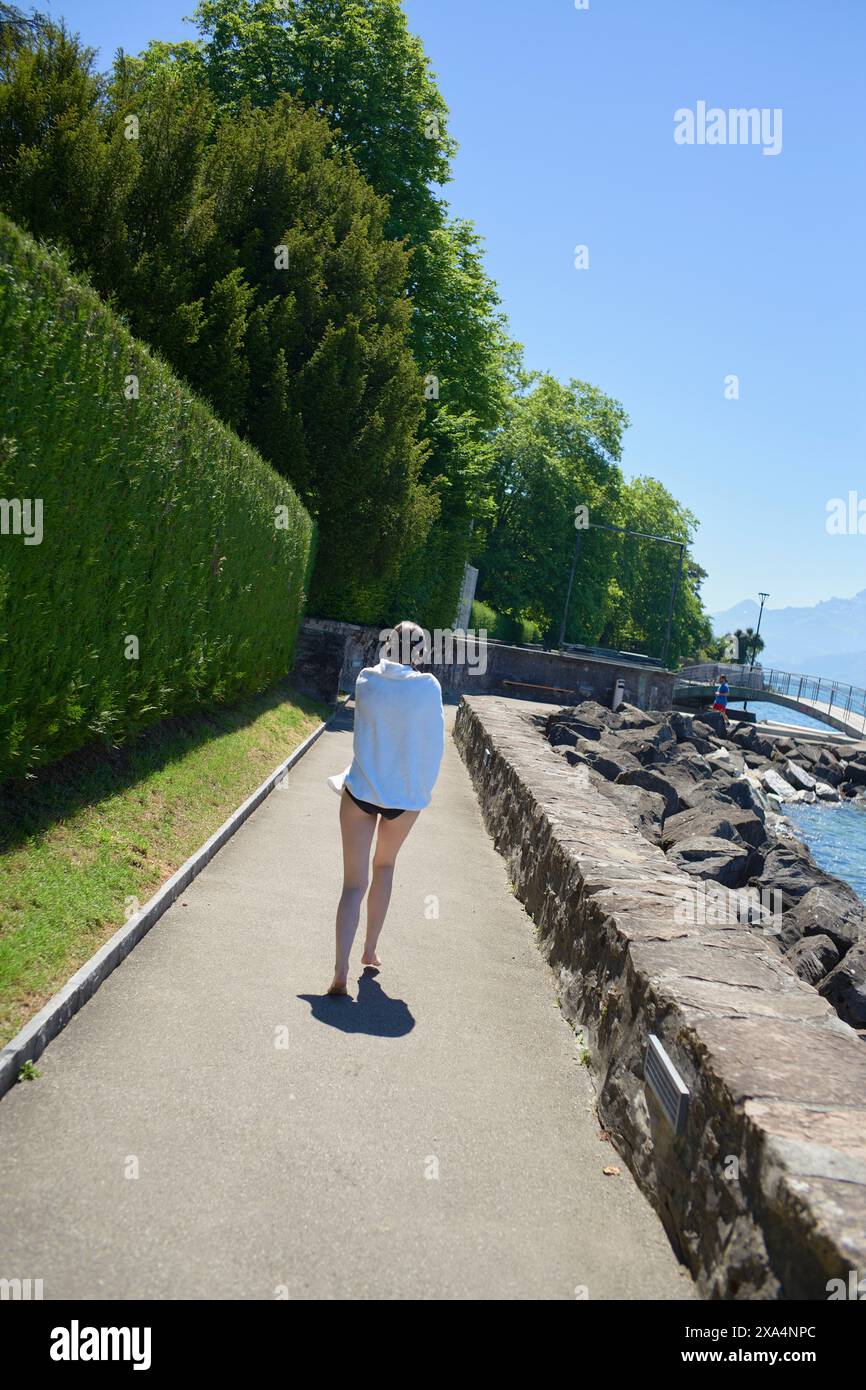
763, 598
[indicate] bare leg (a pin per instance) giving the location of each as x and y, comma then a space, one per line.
356, 828
392, 834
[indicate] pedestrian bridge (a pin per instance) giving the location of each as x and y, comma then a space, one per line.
833, 702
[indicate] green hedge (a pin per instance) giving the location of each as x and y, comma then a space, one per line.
159, 524
502, 627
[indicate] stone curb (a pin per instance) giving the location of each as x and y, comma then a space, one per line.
34, 1037
763, 1193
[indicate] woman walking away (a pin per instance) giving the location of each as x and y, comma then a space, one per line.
398, 746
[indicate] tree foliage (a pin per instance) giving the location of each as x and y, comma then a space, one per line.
246, 247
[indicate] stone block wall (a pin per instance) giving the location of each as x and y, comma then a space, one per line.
520, 672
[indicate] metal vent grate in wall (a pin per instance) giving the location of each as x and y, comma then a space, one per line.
666, 1084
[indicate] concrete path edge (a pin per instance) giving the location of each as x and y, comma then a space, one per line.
31, 1041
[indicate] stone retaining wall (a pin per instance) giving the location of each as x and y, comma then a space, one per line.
528, 668
764, 1194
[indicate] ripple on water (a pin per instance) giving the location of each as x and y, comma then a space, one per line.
836, 835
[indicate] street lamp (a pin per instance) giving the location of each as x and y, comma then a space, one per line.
763, 598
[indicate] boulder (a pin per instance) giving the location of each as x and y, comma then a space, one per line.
609, 759
630, 717
653, 781
799, 777
856, 772
760, 799
701, 822
806, 754
700, 745
561, 734
790, 870
682, 725
825, 792
813, 957
763, 745
714, 814
686, 761
845, 987
712, 720
777, 784
830, 769
829, 909
754, 761
708, 856
741, 791
645, 809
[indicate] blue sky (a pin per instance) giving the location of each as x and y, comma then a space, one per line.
704, 261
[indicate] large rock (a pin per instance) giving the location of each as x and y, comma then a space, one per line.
707, 856
609, 760
645, 809
856, 772
648, 745
699, 822
653, 781
813, 958
700, 745
716, 815
830, 769
686, 758
790, 870
799, 777
829, 909
845, 987
682, 725
754, 761
630, 717
741, 791
712, 720
589, 719
569, 735
777, 784
763, 745
825, 792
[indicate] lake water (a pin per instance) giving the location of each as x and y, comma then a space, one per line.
779, 715
835, 833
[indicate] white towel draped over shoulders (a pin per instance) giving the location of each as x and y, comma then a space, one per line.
399, 737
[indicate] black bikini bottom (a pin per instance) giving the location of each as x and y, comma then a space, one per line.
389, 812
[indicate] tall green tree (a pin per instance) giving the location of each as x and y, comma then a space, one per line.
646, 572
356, 63
246, 247
558, 451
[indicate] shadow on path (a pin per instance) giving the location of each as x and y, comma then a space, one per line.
373, 1011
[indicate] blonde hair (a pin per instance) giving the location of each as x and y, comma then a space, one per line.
406, 643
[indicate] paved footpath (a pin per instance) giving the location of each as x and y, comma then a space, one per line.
432, 1138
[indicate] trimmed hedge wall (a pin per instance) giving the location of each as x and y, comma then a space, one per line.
166, 575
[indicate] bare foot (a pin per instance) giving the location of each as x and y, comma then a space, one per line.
338, 987
370, 958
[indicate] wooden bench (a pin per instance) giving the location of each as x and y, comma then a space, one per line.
557, 689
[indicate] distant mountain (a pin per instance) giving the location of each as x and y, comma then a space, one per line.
825, 640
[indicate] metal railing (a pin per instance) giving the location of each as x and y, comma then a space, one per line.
841, 699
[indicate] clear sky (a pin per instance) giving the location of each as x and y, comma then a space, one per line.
704, 260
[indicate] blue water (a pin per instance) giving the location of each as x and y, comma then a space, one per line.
835, 833
778, 714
